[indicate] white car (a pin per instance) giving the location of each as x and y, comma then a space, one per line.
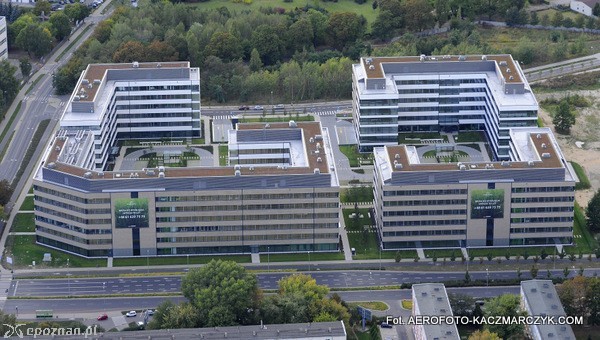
258, 107
131, 314
150, 312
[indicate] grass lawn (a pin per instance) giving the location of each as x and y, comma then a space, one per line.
584, 240
198, 141
584, 182
439, 253
413, 138
341, 6
24, 222
300, 257
27, 203
551, 12
372, 305
24, 250
513, 251
407, 304
351, 151
173, 260
223, 155
470, 137
366, 243
31, 190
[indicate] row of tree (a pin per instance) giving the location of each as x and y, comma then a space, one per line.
223, 293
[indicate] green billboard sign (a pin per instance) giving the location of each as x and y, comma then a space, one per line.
487, 203
131, 213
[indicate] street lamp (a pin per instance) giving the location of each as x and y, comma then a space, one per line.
271, 98
487, 277
17, 309
188, 259
148, 261
308, 252
380, 258
68, 278
268, 258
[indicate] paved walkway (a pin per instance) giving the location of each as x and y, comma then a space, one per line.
255, 257
344, 236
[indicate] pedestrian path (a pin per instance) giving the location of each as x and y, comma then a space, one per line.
255, 257
223, 117
325, 113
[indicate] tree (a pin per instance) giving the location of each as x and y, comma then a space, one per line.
505, 305
25, 66
398, 256
42, 6
9, 87
596, 9
225, 46
572, 294
268, 43
592, 213
255, 63
61, 26
558, 19
162, 51
417, 15
345, 28
300, 34
384, 25
35, 39
484, 335
563, 117
130, 51
169, 316
534, 271
533, 18
77, 12
222, 292
462, 304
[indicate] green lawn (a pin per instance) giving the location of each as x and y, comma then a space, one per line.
23, 223
27, 204
223, 155
23, 250
173, 260
300, 257
439, 253
584, 182
372, 305
412, 138
584, 240
351, 151
513, 251
566, 14
366, 243
365, 9
470, 137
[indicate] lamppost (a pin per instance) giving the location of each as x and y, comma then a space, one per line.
268, 258
379, 258
487, 277
17, 309
188, 259
271, 98
308, 252
68, 277
148, 261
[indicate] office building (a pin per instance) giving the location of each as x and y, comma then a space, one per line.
132, 101
526, 200
392, 95
431, 299
3, 39
539, 298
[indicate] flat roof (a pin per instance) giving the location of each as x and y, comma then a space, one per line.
508, 70
312, 133
539, 146
431, 299
98, 72
542, 299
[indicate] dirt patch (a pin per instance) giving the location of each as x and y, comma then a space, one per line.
586, 129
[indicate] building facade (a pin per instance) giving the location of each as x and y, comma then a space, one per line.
3, 39
132, 100
584, 7
431, 299
527, 200
539, 298
392, 95
258, 206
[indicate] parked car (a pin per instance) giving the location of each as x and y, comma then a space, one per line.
131, 314
103, 317
244, 107
258, 107
279, 106
150, 312
386, 325
141, 325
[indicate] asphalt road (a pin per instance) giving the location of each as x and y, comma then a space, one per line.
172, 284
83, 305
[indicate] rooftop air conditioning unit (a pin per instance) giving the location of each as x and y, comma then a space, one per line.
97, 81
238, 173
316, 171
371, 67
546, 155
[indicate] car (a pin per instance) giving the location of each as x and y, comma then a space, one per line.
141, 324
131, 314
279, 106
386, 325
258, 107
244, 107
150, 312
102, 317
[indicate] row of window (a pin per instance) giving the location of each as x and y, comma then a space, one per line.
542, 209
426, 212
425, 192
87, 221
195, 88
68, 197
423, 223
154, 106
268, 217
155, 115
239, 238
247, 197
71, 207
153, 124
265, 151
255, 227
541, 230
424, 232
241, 208
424, 202
542, 219
73, 238
441, 82
542, 199
154, 97
544, 189
73, 227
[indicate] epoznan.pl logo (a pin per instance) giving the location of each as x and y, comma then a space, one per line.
48, 331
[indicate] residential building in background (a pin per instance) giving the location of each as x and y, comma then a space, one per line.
3, 39
280, 195
392, 95
132, 101
584, 7
526, 200
431, 299
539, 298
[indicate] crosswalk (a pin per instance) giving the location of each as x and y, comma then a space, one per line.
325, 113
223, 117
316, 113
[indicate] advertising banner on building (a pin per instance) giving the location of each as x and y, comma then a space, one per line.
131, 213
487, 203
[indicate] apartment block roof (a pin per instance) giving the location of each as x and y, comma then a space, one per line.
431, 299
542, 300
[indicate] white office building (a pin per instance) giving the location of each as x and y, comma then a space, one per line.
3, 39
392, 95
131, 101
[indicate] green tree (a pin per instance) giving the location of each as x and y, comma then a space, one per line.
573, 295
462, 304
592, 213
505, 305
15, 28
6, 191
77, 12
103, 29
484, 335
267, 41
563, 118
130, 51
384, 25
162, 51
35, 39
225, 46
593, 300
255, 63
170, 316
300, 34
534, 271
42, 6
345, 28
222, 292
596, 9
25, 66
417, 15
544, 20
61, 26
9, 87
533, 18
558, 19
374, 332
